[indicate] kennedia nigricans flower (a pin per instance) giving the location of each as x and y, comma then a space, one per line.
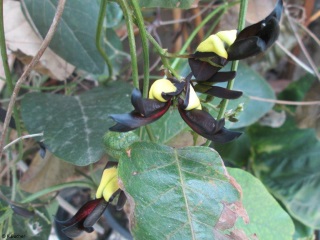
161, 96
215, 51
91, 211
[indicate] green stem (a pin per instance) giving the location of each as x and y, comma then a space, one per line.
145, 46
163, 55
102, 14
132, 43
55, 188
197, 29
234, 66
7, 72
150, 134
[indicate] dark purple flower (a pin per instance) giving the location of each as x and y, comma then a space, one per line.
84, 219
148, 110
91, 211
214, 52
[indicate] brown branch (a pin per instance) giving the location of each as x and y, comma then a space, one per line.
26, 73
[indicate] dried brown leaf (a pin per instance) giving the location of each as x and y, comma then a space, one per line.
20, 37
46, 172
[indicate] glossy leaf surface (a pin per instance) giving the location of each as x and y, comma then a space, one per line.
287, 161
185, 191
73, 126
268, 220
74, 39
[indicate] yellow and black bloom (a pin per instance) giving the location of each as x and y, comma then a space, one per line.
201, 121
148, 110
215, 91
91, 211
215, 51
162, 94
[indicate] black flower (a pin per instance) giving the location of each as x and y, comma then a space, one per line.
215, 51
164, 92
91, 211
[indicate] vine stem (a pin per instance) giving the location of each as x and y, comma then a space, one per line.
102, 14
196, 30
31, 65
234, 65
145, 46
55, 188
163, 55
9, 82
132, 43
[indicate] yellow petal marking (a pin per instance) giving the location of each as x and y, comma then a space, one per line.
110, 189
228, 36
213, 44
194, 102
161, 86
107, 176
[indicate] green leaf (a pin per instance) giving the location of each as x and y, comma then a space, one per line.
268, 221
73, 126
167, 127
235, 152
117, 143
287, 161
114, 14
296, 90
302, 231
16, 226
178, 193
168, 3
74, 39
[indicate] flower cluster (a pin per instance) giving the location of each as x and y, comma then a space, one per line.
162, 94
211, 55
91, 211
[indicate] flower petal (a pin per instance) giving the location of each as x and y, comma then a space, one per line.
246, 48
223, 92
256, 38
225, 135
130, 121
205, 125
179, 87
82, 213
219, 77
121, 201
95, 215
145, 107
202, 70
253, 45
74, 231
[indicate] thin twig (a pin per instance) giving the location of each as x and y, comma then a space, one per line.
182, 20
294, 58
22, 137
25, 74
307, 30
302, 46
283, 102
